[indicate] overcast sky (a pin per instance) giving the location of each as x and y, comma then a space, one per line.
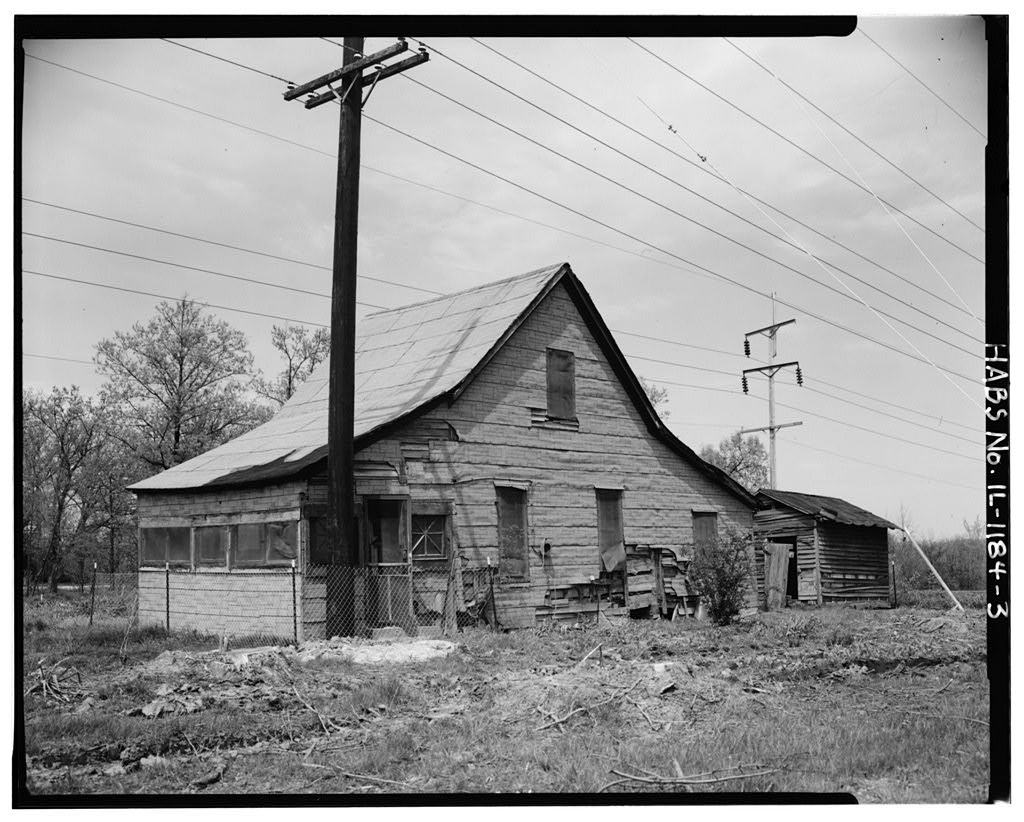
882, 426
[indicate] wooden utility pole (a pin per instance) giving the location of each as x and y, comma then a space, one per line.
341, 400
770, 331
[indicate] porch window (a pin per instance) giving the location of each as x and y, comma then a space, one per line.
429, 536
166, 545
211, 545
265, 543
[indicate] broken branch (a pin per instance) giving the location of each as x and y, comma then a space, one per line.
583, 708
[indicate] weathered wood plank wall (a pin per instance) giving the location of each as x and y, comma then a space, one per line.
498, 441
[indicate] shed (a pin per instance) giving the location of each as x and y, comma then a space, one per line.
812, 548
502, 444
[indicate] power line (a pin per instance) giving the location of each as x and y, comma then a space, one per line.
884, 467
226, 60
896, 437
191, 268
167, 297
880, 314
528, 190
221, 244
938, 417
922, 82
856, 137
814, 414
307, 322
664, 251
880, 201
801, 148
727, 237
200, 112
315, 150
704, 170
616, 331
892, 416
54, 357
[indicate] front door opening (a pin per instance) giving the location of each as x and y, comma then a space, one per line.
385, 522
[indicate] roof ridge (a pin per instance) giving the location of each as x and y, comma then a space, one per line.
492, 284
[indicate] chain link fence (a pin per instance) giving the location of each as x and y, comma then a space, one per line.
288, 605
422, 601
240, 607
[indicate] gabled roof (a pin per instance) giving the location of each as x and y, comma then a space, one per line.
827, 508
407, 360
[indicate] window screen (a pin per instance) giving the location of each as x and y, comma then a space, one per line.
561, 384
211, 546
162, 545
266, 543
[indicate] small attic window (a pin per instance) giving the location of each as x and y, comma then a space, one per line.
561, 374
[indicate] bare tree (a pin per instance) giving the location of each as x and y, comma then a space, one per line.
744, 459
61, 433
658, 395
177, 385
303, 351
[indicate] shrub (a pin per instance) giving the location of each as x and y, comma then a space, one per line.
720, 573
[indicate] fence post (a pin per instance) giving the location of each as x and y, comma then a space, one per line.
494, 603
167, 593
92, 602
295, 611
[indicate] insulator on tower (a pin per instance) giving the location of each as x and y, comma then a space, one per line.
745, 388
746, 346
799, 376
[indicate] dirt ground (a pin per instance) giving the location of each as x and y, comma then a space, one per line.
887, 705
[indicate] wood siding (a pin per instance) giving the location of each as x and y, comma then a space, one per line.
851, 561
783, 524
854, 562
491, 436
496, 440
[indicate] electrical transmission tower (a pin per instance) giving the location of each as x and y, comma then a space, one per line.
770, 331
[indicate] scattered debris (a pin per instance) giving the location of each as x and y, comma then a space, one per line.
182, 699
215, 772
688, 781
53, 683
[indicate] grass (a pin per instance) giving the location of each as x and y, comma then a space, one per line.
890, 705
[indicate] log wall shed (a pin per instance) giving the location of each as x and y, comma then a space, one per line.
499, 427
816, 549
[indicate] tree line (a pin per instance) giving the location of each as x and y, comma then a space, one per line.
175, 387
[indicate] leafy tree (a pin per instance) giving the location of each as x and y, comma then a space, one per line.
658, 395
61, 434
303, 351
744, 459
720, 573
177, 385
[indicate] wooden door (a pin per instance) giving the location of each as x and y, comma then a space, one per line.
776, 574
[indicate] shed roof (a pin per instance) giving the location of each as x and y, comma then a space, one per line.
406, 360
827, 508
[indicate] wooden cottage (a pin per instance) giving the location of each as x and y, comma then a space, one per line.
502, 442
816, 549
